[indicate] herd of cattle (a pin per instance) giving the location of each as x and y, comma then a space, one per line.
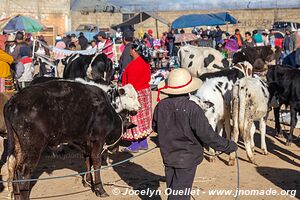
94, 114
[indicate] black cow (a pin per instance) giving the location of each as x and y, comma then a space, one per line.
284, 88
56, 112
259, 57
238, 71
101, 68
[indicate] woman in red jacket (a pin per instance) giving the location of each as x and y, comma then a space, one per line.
138, 74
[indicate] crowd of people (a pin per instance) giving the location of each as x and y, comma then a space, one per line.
181, 125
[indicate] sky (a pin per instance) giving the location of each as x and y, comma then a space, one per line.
165, 5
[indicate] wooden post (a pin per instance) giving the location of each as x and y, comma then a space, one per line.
156, 24
141, 27
227, 27
33, 48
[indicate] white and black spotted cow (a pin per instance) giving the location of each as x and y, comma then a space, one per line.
249, 104
95, 67
238, 71
200, 60
214, 97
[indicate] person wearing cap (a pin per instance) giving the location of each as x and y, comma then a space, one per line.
126, 58
10, 44
289, 42
83, 42
183, 129
150, 37
105, 45
24, 68
20, 42
75, 41
138, 74
238, 38
218, 35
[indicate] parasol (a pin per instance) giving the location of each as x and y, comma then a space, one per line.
185, 37
20, 23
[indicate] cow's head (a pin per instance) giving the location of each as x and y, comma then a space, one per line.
245, 67
125, 99
100, 69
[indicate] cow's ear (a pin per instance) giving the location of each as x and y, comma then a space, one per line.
209, 104
121, 91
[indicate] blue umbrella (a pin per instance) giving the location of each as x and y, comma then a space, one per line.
20, 23
212, 19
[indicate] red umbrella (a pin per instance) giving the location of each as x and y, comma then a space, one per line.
185, 37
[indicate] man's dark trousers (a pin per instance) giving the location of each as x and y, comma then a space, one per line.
180, 179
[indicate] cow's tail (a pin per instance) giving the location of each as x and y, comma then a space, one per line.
14, 148
179, 57
235, 110
242, 105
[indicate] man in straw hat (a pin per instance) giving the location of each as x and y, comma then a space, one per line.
182, 129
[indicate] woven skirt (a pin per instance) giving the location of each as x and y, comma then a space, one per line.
143, 119
7, 84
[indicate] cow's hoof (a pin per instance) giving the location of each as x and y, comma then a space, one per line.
231, 162
288, 143
98, 194
212, 159
253, 149
265, 152
280, 135
252, 161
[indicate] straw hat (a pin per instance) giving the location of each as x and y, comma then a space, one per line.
11, 38
179, 81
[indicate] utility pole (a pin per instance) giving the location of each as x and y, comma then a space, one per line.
38, 10
7, 8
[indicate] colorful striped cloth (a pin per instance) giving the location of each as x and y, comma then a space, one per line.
143, 119
7, 84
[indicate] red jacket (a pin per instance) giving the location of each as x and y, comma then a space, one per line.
109, 50
138, 74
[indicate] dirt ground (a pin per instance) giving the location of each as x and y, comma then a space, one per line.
279, 170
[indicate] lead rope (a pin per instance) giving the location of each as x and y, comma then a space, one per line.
237, 176
237, 171
105, 146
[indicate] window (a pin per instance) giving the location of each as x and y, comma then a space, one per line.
127, 16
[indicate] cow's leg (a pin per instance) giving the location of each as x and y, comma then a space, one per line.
293, 125
11, 167
278, 129
236, 128
212, 152
24, 187
262, 129
96, 159
87, 182
235, 138
252, 132
28, 165
247, 139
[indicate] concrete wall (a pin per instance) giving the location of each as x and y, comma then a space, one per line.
103, 20
249, 19
56, 14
